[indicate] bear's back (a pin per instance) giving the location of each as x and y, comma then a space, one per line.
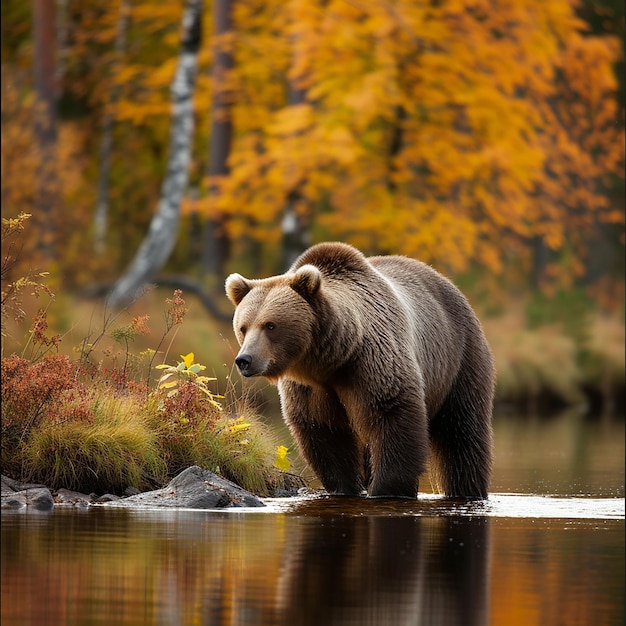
443, 325
422, 284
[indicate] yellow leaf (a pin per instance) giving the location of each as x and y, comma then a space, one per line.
282, 462
238, 425
187, 359
168, 385
204, 379
292, 120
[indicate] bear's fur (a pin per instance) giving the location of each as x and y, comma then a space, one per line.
375, 359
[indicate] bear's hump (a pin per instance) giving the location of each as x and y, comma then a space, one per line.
333, 258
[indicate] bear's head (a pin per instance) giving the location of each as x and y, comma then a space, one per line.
274, 321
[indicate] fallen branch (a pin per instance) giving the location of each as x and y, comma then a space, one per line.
184, 283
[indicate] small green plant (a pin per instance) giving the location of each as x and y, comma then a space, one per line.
196, 429
186, 371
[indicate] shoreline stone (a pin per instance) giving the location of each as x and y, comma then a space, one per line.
16, 495
193, 488
67, 496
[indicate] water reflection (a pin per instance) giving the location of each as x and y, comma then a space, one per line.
385, 570
323, 563
189, 567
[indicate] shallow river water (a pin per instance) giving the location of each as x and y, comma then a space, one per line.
546, 548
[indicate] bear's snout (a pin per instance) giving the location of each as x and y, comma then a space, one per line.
243, 362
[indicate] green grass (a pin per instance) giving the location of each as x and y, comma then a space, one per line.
114, 450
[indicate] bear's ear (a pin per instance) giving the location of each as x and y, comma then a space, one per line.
306, 281
236, 288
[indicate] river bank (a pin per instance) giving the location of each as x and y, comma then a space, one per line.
193, 488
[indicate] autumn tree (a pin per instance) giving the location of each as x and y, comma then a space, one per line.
469, 134
106, 141
296, 218
429, 130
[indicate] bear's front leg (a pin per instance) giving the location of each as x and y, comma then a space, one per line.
320, 426
398, 444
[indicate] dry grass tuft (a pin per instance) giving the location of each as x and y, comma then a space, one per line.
531, 362
114, 449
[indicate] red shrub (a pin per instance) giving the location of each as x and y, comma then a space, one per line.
28, 391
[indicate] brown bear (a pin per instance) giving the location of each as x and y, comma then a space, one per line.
375, 359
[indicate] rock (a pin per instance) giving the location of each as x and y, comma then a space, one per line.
193, 488
107, 497
132, 491
66, 496
17, 495
10, 485
13, 500
39, 499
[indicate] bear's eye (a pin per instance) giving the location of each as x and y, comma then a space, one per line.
242, 330
270, 326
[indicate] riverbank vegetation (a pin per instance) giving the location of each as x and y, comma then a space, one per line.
68, 425
543, 366
103, 419
103, 424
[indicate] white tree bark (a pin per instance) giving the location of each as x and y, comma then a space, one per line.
163, 231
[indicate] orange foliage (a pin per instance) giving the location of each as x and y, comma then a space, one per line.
499, 137
456, 132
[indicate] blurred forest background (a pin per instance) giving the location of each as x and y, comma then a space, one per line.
485, 137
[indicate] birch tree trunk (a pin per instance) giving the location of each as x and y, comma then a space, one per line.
106, 140
159, 242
